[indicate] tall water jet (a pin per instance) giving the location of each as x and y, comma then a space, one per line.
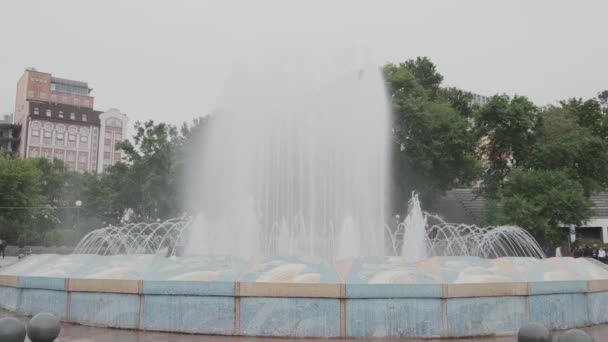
414, 245
296, 162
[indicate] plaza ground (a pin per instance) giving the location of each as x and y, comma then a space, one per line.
81, 333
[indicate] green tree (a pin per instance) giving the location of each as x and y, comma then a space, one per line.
150, 186
540, 201
589, 114
19, 188
562, 144
426, 75
20, 197
460, 100
506, 128
433, 149
603, 99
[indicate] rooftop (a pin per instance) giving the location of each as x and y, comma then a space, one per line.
467, 206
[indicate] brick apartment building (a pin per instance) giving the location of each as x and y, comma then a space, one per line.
58, 121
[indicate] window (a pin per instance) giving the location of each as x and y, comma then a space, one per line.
114, 123
48, 112
60, 114
46, 154
84, 117
72, 140
107, 148
82, 158
76, 101
117, 136
72, 116
71, 157
43, 95
53, 97
59, 155
34, 153
30, 93
84, 139
36, 111
59, 139
86, 102
47, 138
36, 133
65, 99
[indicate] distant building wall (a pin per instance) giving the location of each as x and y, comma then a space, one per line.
57, 121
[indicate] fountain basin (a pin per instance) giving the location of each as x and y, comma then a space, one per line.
309, 297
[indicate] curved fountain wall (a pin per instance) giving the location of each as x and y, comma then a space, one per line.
307, 297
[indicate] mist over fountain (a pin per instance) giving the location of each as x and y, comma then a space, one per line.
291, 237
295, 163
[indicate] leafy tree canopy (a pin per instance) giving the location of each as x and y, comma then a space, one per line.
540, 201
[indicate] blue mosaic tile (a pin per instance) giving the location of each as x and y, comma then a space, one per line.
34, 301
559, 311
485, 315
106, 309
48, 283
9, 298
191, 314
598, 307
193, 288
555, 287
416, 317
295, 317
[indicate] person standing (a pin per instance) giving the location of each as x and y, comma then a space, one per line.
601, 255
595, 252
3, 245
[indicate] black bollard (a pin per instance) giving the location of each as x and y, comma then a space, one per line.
575, 335
44, 327
12, 330
533, 332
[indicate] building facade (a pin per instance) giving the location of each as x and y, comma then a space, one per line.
58, 121
9, 134
480, 100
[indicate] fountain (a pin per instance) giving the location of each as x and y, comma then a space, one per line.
291, 235
296, 164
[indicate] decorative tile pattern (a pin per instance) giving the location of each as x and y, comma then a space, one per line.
417, 317
485, 315
295, 317
105, 309
190, 314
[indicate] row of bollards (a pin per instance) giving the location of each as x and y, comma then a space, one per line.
44, 327
535, 332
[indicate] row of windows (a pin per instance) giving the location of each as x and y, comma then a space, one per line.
60, 136
64, 98
60, 140
60, 114
71, 157
36, 125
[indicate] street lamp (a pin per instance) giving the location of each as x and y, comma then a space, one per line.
78, 204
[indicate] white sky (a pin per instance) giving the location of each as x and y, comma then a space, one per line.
169, 60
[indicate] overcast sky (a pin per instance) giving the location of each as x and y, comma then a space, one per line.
169, 60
